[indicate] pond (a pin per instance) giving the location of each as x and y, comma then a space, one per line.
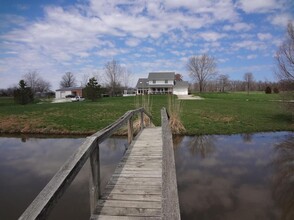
27, 165
236, 177
219, 177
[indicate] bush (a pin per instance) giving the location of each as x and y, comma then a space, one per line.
268, 90
276, 90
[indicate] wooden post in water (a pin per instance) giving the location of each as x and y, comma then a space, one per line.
94, 183
130, 130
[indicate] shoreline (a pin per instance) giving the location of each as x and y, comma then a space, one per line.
123, 134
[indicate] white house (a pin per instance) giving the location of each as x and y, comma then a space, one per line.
162, 83
62, 93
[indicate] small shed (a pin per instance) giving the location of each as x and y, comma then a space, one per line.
63, 92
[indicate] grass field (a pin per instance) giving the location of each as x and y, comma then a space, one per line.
218, 113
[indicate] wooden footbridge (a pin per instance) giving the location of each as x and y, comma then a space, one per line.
143, 186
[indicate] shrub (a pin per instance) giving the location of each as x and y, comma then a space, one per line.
268, 90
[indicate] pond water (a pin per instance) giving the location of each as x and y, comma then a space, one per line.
219, 177
27, 164
236, 177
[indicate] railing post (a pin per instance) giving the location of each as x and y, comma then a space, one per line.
94, 183
142, 120
130, 130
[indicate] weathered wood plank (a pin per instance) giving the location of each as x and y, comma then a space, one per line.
134, 191
133, 197
134, 186
112, 217
107, 217
112, 211
130, 204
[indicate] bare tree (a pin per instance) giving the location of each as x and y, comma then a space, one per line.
249, 79
285, 56
201, 69
85, 80
223, 82
36, 82
68, 80
113, 74
178, 77
126, 77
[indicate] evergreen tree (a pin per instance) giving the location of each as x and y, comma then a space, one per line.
92, 89
23, 94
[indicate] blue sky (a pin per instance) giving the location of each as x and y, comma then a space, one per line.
54, 37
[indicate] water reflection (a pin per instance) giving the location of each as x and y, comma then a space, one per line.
247, 138
231, 178
283, 178
27, 164
202, 145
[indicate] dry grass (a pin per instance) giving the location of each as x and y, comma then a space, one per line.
174, 109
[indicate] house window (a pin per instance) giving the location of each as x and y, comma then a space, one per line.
166, 81
154, 81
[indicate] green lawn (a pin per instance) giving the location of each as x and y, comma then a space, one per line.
218, 113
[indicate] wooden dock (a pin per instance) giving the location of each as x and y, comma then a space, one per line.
134, 189
143, 186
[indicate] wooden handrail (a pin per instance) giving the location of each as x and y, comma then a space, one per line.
170, 199
48, 197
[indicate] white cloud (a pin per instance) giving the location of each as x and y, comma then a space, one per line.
259, 6
212, 36
132, 42
251, 56
249, 45
264, 36
240, 26
280, 19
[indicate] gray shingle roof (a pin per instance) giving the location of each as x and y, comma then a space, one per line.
181, 84
161, 76
142, 83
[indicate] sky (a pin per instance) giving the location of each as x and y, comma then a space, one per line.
57, 36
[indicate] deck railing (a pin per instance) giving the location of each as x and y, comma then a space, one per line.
48, 197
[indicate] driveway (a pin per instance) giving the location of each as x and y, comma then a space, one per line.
189, 97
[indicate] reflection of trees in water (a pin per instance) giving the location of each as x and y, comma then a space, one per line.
283, 180
177, 140
247, 138
203, 145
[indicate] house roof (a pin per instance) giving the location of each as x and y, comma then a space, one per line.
70, 88
142, 83
161, 76
181, 84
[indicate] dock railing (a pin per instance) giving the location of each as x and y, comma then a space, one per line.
170, 199
48, 197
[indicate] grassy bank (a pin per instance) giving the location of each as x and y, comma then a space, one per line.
217, 114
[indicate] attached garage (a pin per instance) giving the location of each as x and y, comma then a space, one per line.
181, 88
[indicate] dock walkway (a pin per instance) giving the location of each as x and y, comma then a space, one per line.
134, 189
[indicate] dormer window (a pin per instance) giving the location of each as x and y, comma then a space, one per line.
154, 81
166, 81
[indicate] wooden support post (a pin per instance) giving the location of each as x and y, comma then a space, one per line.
130, 130
94, 183
142, 120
